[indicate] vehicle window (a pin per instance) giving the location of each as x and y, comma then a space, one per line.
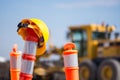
80, 39
77, 36
98, 35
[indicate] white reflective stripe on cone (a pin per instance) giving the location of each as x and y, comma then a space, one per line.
27, 66
30, 47
70, 60
15, 62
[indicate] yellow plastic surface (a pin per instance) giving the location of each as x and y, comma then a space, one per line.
42, 26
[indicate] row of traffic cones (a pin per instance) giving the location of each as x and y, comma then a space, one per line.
28, 58
34, 31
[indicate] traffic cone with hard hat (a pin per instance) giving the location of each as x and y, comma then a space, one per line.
35, 33
15, 60
71, 62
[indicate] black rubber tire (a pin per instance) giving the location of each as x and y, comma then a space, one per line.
115, 69
91, 67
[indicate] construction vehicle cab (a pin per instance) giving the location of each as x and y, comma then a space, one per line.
98, 54
86, 37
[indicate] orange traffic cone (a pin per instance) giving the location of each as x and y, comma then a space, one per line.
28, 56
70, 62
15, 61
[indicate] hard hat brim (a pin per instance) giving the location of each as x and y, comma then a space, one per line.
41, 50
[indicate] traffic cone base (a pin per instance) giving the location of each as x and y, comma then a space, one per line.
15, 74
72, 73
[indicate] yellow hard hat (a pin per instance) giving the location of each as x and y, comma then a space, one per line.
39, 28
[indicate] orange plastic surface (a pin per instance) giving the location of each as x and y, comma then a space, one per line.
14, 74
72, 73
68, 49
69, 46
68, 52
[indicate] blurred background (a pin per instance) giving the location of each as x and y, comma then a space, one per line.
58, 15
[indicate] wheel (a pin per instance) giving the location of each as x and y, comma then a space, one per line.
109, 70
87, 70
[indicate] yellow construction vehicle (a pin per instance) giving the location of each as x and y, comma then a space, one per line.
99, 55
